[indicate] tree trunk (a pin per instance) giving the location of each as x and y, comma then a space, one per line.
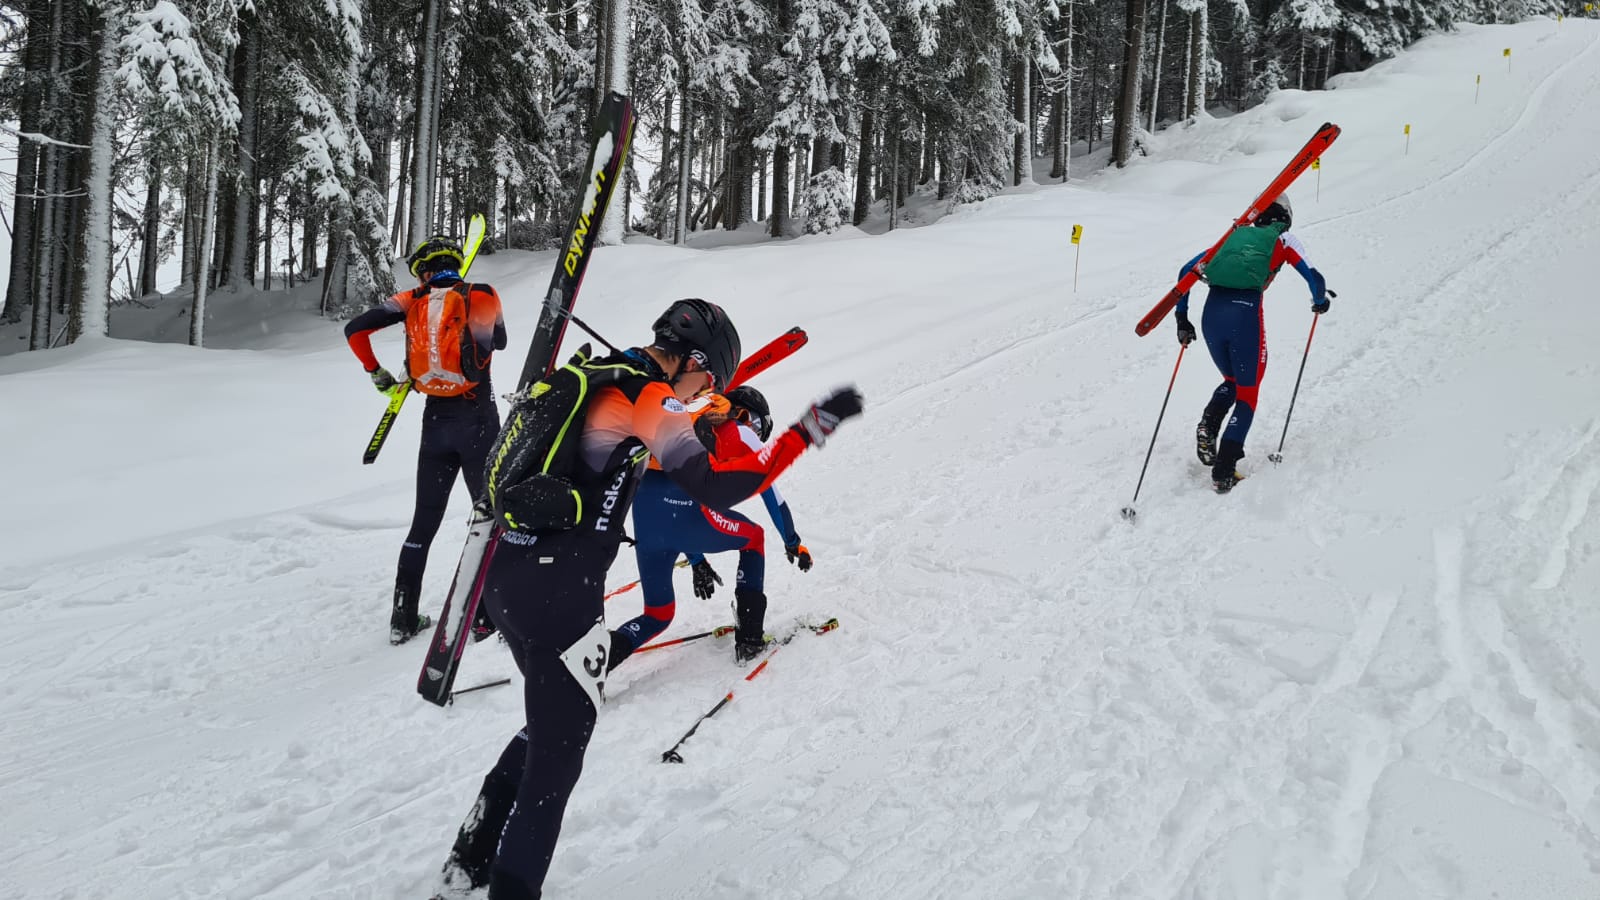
893, 140
150, 231
780, 191
309, 236
1195, 90
236, 271
398, 230
45, 242
1155, 80
422, 137
1058, 168
614, 224
90, 316
1066, 113
1022, 139
24, 249
686, 148
1126, 116
863, 203
197, 311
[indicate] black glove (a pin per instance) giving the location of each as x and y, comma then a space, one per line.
706, 579
1185, 330
381, 379
799, 555
1321, 305
823, 418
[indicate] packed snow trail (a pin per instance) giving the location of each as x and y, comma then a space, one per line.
1369, 672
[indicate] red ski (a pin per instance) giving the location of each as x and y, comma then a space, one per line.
1313, 149
768, 356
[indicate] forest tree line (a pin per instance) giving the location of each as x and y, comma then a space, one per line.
270, 143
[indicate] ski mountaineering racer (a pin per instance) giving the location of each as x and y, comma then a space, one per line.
1235, 329
452, 330
562, 476
667, 522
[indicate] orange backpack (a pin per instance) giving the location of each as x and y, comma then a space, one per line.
436, 338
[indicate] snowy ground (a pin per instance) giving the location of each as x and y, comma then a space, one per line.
1372, 672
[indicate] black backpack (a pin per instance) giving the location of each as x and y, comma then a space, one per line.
531, 480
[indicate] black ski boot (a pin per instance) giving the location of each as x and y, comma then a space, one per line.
621, 649
472, 857
1224, 474
1205, 434
1205, 443
483, 627
404, 621
749, 630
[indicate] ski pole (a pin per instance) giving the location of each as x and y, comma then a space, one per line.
673, 756
1277, 456
718, 631
478, 687
1128, 512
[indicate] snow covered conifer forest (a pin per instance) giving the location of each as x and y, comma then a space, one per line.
252, 145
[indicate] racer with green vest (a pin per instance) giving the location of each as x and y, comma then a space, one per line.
1235, 330
561, 478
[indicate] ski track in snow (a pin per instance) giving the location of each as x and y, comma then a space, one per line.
1368, 672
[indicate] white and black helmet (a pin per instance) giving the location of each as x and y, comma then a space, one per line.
1280, 211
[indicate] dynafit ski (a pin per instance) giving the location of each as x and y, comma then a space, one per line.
613, 130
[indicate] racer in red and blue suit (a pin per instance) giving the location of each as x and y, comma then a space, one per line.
1235, 334
667, 522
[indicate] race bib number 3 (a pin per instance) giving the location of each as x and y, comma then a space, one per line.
586, 660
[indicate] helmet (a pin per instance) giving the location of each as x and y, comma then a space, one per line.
704, 331
750, 407
1279, 211
435, 253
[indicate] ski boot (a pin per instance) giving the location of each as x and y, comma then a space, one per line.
621, 649
749, 631
466, 872
404, 620
1205, 443
483, 627
1224, 474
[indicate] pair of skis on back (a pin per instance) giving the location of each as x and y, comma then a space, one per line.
612, 133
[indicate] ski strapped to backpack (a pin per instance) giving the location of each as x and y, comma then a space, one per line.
397, 394
1302, 161
613, 131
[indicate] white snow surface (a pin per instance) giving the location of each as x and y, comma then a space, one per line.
1370, 672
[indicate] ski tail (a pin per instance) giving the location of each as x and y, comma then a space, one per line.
397, 399
453, 631
1302, 161
612, 132
469, 247
773, 353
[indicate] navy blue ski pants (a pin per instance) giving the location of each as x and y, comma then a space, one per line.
1236, 336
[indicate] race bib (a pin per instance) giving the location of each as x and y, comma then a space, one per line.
586, 660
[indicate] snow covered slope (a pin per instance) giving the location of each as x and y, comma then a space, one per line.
1370, 672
